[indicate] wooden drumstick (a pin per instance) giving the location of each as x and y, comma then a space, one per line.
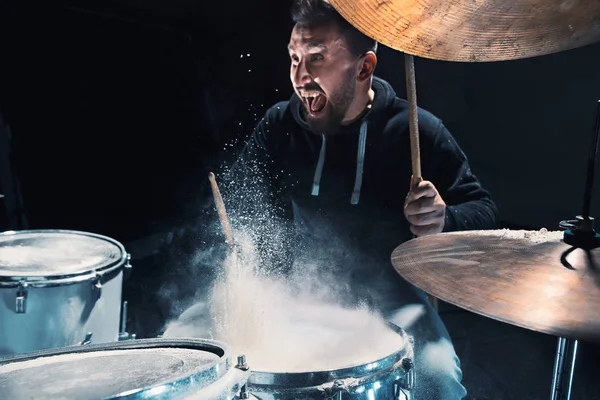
413, 119
221, 210
413, 125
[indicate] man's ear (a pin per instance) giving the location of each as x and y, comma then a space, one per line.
368, 62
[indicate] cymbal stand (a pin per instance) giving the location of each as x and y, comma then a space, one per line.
580, 234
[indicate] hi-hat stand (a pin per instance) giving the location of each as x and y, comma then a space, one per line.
580, 234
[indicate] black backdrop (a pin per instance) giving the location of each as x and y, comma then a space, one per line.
117, 115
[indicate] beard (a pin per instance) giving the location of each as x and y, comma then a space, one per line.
338, 103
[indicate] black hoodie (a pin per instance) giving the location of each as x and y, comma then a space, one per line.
348, 189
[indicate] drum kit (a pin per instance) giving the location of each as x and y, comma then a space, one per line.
62, 319
60, 338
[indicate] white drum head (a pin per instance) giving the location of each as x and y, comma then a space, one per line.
30, 254
153, 367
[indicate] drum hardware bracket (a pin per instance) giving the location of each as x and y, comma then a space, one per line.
333, 390
242, 364
580, 233
21, 299
88, 339
123, 334
127, 268
405, 383
97, 284
409, 378
244, 394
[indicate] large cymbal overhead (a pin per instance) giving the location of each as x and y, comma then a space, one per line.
524, 278
475, 30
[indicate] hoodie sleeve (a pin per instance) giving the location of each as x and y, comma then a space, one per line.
469, 205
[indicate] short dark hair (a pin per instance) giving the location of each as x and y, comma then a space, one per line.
320, 12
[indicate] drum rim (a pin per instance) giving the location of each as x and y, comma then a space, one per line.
105, 273
217, 369
291, 380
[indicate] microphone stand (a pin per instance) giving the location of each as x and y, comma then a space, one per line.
580, 234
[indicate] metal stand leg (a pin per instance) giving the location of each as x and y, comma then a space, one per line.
564, 365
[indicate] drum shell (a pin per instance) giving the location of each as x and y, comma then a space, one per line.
390, 378
388, 385
62, 315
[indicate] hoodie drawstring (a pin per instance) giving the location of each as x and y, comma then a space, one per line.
319, 170
360, 162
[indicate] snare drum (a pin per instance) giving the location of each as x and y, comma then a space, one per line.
57, 287
183, 369
388, 378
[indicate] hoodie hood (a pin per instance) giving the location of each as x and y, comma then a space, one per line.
383, 98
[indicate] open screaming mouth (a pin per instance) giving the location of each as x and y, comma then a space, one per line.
315, 101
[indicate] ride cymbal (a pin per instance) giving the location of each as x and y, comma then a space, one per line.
475, 30
529, 279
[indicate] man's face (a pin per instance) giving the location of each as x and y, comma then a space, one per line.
323, 74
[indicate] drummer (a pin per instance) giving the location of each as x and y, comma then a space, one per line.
336, 157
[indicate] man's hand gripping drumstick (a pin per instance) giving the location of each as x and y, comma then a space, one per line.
424, 208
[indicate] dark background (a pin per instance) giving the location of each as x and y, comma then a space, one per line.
119, 109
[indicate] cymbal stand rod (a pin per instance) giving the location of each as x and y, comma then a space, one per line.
580, 232
564, 366
589, 184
